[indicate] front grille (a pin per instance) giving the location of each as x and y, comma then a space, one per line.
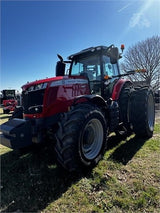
31, 99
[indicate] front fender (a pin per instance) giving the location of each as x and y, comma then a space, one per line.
95, 99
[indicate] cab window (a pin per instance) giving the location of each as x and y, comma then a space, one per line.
77, 68
109, 69
89, 66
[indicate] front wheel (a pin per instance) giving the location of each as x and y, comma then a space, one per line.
81, 137
18, 113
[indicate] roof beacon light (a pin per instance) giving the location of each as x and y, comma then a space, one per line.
122, 47
106, 77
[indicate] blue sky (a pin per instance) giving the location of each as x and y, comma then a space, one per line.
33, 32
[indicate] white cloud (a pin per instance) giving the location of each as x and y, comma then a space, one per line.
124, 7
139, 19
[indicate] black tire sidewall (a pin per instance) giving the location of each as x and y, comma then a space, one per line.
139, 112
124, 104
93, 115
18, 113
149, 131
68, 144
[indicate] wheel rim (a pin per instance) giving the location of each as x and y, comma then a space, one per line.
92, 139
150, 112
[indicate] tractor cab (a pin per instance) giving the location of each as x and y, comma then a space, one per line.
97, 64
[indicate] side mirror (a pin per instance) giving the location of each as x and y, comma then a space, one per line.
60, 68
114, 55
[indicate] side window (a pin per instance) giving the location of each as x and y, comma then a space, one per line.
77, 68
115, 69
108, 69
93, 72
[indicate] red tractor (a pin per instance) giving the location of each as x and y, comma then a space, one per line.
9, 101
81, 109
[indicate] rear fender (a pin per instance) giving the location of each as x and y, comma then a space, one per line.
118, 87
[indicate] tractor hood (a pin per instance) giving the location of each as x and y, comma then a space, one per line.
55, 81
47, 97
40, 84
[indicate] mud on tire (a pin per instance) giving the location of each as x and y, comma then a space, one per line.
81, 137
142, 112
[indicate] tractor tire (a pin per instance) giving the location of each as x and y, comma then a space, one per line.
142, 112
81, 138
123, 105
124, 111
18, 112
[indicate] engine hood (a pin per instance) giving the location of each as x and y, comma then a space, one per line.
55, 81
41, 82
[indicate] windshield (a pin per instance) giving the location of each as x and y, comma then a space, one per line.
94, 68
89, 67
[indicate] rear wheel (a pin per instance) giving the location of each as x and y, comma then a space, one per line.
81, 137
123, 102
142, 112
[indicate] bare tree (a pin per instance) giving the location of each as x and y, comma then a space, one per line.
144, 55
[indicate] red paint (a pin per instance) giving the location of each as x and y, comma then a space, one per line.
38, 115
24, 87
117, 88
59, 94
10, 104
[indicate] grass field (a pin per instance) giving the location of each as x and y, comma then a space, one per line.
127, 179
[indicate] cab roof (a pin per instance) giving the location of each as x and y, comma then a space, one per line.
90, 50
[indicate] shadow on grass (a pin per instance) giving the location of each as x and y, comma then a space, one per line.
5, 117
125, 152
31, 181
113, 141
